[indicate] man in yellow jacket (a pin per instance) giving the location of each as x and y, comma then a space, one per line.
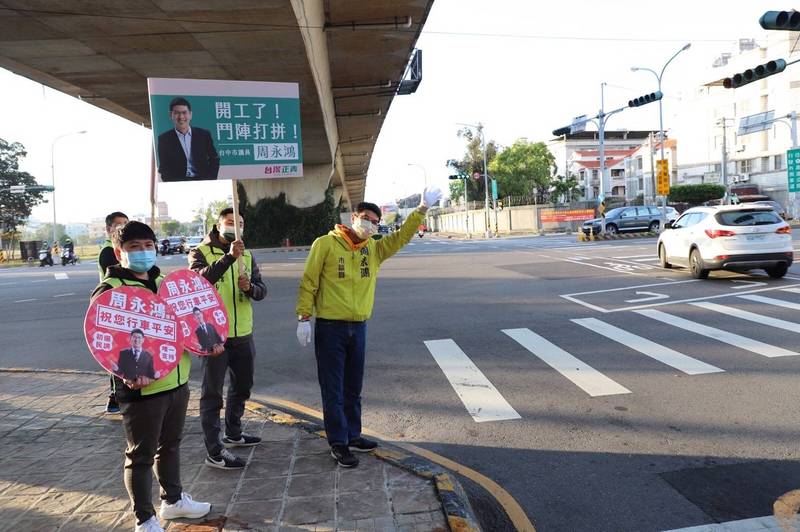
338, 288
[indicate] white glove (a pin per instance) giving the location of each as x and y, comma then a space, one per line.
304, 332
430, 196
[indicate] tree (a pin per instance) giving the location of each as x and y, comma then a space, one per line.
171, 227
523, 169
695, 194
565, 190
470, 163
15, 208
207, 216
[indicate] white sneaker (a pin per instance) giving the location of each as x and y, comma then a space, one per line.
151, 525
185, 507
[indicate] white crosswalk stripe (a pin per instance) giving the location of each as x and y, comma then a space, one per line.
480, 397
735, 340
581, 374
750, 316
771, 301
670, 357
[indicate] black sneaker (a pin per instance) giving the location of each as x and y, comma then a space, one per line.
362, 445
343, 456
243, 441
112, 407
225, 460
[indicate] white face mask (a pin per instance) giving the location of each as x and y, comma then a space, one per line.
363, 228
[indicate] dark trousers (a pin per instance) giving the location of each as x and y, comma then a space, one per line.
153, 428
339, 347
237, 362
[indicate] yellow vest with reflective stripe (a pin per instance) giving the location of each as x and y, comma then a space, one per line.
106, 244
176, 377
237, 303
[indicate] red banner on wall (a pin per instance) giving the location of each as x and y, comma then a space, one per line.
565, 215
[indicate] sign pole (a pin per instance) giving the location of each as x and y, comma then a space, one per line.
236, 228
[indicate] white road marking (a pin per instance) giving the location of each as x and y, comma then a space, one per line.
601, 267
761, 524
649, 259
575, 299
792, 290
747, 284
663, 354
480, 397
634, 256
750, 316
651, 296
581, 374
24, 300
718, 334
772, 301
61, 276
64, 295
40, 281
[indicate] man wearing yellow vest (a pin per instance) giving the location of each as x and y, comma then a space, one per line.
104, 260
153, 411
338, 287
217, 259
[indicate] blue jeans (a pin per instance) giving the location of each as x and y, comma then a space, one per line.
339, 348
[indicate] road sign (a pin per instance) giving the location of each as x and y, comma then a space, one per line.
578, 124
756, 122
17, 189
662, 177
601, 208
793, 169
476, 175
494, 189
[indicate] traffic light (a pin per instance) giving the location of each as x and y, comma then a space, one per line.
562, 131
645, 99
780, 20
754, 74
460, 175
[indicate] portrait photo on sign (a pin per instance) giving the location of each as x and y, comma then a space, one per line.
198, 309
132, 333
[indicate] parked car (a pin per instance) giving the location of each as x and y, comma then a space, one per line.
192, 242
176, 244
641, 218
728, 237
777, 207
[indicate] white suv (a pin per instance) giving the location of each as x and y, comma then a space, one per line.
730, 237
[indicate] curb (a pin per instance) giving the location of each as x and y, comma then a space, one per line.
583, 237
455, 504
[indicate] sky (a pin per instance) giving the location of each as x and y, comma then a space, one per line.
522, 68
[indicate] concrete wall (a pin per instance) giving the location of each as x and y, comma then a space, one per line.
524, 219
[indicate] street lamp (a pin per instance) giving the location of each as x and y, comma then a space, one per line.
479, 127
53, 173
659, 77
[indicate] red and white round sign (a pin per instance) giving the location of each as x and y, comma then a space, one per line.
199, 309
132, 333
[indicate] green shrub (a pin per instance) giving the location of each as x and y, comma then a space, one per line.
271, 220
695, 194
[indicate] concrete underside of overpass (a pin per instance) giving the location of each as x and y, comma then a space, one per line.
348, 58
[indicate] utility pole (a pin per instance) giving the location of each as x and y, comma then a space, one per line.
724, 161
466, 206
601, 118
652, 169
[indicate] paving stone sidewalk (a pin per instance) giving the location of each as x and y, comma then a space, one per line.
61, 469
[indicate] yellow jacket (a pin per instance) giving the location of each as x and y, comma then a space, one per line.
339, 278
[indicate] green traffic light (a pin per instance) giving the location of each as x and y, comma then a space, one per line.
780, 20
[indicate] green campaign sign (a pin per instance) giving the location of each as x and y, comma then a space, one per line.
220, 129
793, 169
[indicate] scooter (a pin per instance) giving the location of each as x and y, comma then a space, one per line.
45, 257
68, 257
420, 233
